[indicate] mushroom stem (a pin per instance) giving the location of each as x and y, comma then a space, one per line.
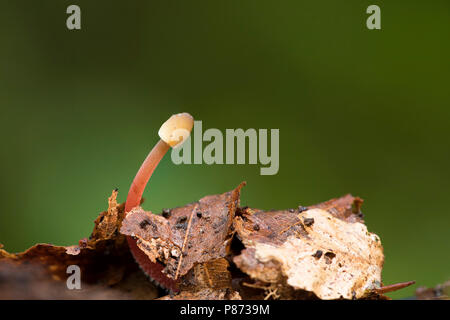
143, 175
173, 133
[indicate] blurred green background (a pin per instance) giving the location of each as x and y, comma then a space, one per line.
359, 111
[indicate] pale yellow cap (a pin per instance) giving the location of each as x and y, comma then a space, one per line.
176, 129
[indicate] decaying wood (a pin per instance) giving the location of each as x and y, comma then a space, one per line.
215, 250
330, 254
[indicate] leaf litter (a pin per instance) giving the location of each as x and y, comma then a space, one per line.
213, 249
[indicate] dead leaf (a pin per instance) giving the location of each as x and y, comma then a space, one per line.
322, 251
346, 208
211, 274
185, 236
105, 262
329, 253
205, 294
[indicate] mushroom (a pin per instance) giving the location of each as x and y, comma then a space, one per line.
173, 133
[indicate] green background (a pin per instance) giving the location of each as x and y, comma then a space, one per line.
360, 111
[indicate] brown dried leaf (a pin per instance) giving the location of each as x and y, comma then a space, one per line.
211, 274
32, 281
346, 208
205, 294
323, 252
105, 262
108, 222
207, 281
328, 252
196, 233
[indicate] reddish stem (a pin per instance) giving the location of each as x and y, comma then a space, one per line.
153, 270
143, 175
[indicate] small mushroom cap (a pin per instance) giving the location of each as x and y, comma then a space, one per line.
176, 129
